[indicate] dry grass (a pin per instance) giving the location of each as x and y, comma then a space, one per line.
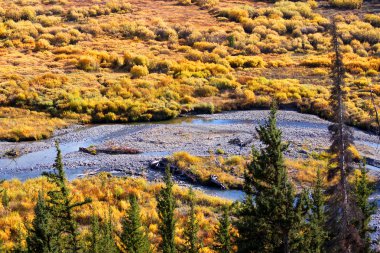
87, 59
20, 124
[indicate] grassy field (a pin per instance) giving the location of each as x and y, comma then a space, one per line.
125, 61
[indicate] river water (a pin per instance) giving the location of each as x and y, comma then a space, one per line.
196, 135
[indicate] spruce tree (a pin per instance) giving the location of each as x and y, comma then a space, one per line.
61, 206
166, 206
341, 206
1, 182
134, 238
101, 236
318, 233
39, 238
192, 227
223, 233
267, 216
5, 198
362, 193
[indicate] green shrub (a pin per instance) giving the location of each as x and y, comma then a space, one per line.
220, 151
139, 71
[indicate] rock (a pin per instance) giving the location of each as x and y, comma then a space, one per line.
215, 182
373, 162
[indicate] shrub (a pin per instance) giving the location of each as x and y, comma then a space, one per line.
347, 4
205, 46
246, 61
234, 14
206, 3
139, 71
42, 44
224, 83
48, 20
373, 19
206, 91
184, 2
207, 108
88, 63
220, 151
28, 13
61, 39
315, 61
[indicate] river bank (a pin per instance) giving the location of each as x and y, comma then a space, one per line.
196, 135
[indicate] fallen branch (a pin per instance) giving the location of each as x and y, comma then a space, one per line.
111, 151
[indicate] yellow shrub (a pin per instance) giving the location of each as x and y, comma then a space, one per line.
88, 63
139, 71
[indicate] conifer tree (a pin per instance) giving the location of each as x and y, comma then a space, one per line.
61, 205
362, 192
318, 233
341, 206
166, 206
1, 182
267, 216
101, 236
134, 238
5, 198
192, 227
39, 238
223, 233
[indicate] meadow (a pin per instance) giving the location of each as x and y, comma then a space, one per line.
123, 61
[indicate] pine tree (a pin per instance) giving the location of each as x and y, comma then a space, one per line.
192, 227
223, 233
318, 233
101, 236
362, 193
133, 237
61, 205
39, 237
267, 215
19, 245
341, 206
5, 198
1, 182
166, 207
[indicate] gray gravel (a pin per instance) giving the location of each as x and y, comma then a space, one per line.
196, 135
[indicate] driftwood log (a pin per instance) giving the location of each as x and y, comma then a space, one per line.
111, 150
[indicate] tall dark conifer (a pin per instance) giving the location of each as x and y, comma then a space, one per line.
102, 235
134, 238
166, 206
267, 216
61, 206
39, 238
341, 207
362, 193
318, 233
192, 227
223, 232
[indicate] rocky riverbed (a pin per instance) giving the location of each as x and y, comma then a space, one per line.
197, 135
